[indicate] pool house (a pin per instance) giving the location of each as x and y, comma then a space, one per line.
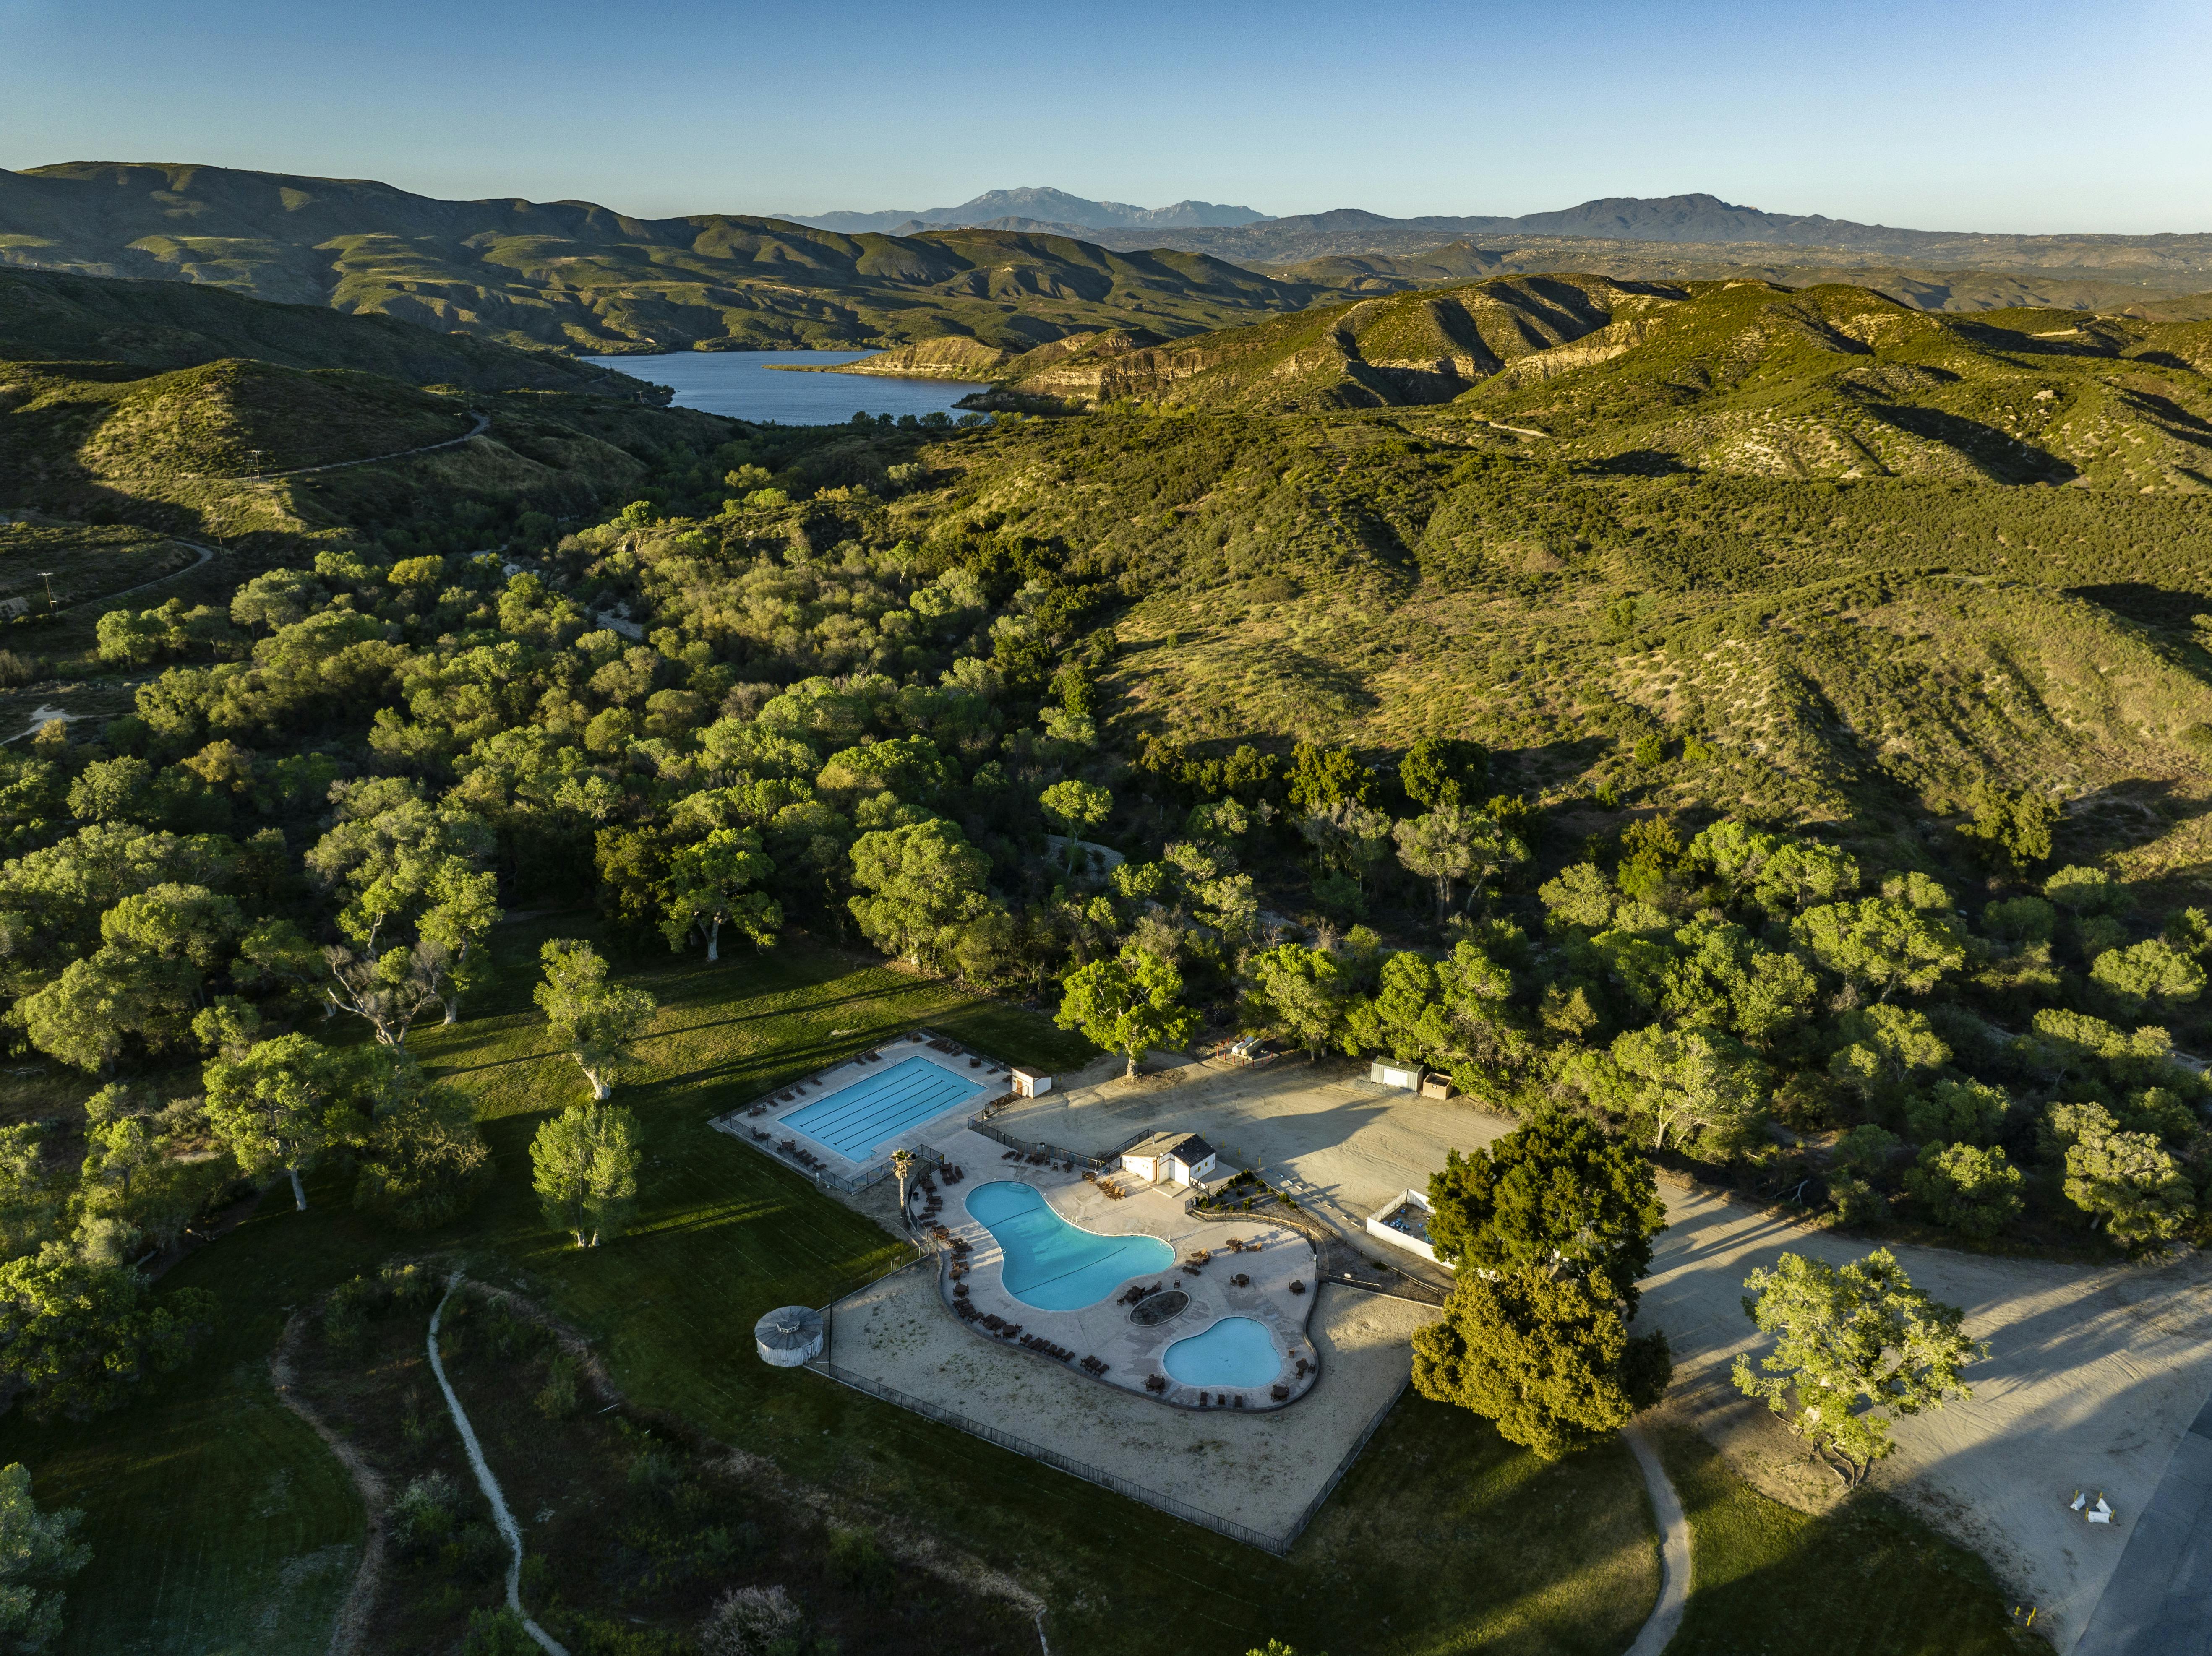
1169, 1158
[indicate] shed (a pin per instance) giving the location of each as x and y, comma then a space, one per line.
1388, 1072
789, 1336
1028, 1083
1171, 1158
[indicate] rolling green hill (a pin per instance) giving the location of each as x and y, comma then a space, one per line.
1405, 348
1998, 285
578, 276
1740, 376
50, 316
169, 407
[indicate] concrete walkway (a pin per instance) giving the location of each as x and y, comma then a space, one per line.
1674, 1549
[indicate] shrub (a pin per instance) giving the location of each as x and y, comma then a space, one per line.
423, 1515
558, 1398
857, 1563
750, 1621
497, 1632
1972, 1190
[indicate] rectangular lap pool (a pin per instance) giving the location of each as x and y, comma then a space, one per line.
858, 1120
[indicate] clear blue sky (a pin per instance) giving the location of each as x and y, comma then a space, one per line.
1965, 115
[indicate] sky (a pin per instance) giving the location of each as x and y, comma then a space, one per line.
1957, 115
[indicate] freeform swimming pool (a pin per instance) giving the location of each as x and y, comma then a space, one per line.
1050, 1264
1233, 1351
858, 1120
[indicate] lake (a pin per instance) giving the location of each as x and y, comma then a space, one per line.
744, 384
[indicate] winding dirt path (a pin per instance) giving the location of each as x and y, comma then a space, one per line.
1674, 1549
507, 1527
482, 424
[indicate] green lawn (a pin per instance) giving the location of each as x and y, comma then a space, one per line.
206, 1499
1868, 1578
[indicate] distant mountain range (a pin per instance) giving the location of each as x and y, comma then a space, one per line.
1052, 210
581, 277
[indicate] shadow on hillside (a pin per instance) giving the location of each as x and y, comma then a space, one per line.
2163, 607
2001, 456
1636, 462
2131, 811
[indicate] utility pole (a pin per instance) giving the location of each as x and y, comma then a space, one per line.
47, 576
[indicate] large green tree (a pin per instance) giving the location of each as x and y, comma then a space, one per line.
1548, 1360
415, 899
1129, 1004
1687, 1082
283, 1103
919, 885
1078, 807
77, 1333
1304, 990
1879, 945
708, 886
585, 1164
598, 1021
1557, 1195
1856, 1347
2128, 1183
38, 1554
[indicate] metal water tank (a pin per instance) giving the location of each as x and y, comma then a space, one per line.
789, 1336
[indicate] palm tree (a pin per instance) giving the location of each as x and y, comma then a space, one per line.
902, 1165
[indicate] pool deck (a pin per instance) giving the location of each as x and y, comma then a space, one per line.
1274, 1257
1235, 1469
762, 1123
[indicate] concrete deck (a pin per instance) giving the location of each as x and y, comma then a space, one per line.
1257, 1470
1274, 1257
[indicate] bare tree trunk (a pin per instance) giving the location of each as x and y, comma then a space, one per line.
1130, 1073
299, 1191
714, 940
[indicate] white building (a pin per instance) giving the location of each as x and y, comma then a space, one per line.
1169, 1158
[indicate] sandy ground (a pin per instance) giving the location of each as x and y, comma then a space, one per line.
1259, 1471
2093, 1379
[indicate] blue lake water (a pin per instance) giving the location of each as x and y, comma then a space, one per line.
1050, 1264
746, 385
1235, 1351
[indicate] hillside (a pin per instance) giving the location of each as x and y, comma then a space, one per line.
167, 324
1743, 377
1924, 288
1037, 206
1836, 381
1410, 348
574, 275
